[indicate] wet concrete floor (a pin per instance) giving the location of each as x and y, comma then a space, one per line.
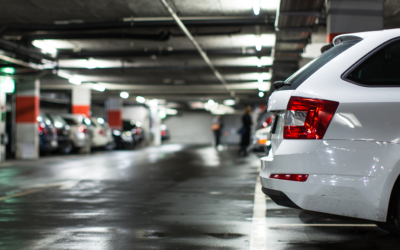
168, 197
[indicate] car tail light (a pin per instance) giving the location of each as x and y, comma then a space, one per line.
102, 132
308, 118
42, 129
82, 129
163, 132
290, 177
262, 141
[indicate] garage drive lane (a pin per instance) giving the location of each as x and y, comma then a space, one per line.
170, 197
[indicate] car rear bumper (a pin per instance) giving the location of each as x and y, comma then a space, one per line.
348, 178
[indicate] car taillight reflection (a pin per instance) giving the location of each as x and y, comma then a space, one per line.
82, 129
308, 118
42, 129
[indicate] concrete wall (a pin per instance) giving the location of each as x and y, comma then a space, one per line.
195, 128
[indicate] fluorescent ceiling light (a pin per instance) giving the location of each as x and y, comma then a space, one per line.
258, 42
260, 78
265, 86
7, 84
98, 87
162, 114
8, 70
124, 95
171, 111
256, 7
210, 102
153, 103
140, 99
270, 5
45, 46
91, 64
261, 94
229, 102
100, 120
75, 80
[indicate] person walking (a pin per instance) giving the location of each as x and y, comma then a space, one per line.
245, 131
217, 129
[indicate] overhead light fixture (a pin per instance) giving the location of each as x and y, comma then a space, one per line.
259, 63
91, 64
8, 70
153, 103
256, 7
75, 80
140, 99
124, 95
162, 114
98, 87
258, 42
44, 46
7, 84
171, 111
229, 102
264, 86
210, 102
260, 78
261, 94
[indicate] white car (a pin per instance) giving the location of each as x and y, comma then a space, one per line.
102, 134
81, 130
335, 141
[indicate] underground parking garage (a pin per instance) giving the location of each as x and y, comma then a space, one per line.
211, 124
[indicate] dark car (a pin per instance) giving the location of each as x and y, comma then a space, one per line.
65, 145
135, 129
47, 134
123, 139
164, 132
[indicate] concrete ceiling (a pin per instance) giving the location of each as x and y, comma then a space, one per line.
135, 45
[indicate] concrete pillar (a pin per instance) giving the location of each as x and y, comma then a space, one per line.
349, 16
81, 99
114, 113
156, 126
27, 111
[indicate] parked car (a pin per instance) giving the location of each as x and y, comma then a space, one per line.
102, 134
335, 142
47, 134
81, 131
136, 130
262, 137
63, 134
123, 139
164, 132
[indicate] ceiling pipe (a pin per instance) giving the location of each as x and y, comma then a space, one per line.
199, 49
141, 22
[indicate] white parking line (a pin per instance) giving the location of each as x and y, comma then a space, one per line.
321, 225
259, 227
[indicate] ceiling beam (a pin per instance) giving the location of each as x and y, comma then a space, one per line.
197, 46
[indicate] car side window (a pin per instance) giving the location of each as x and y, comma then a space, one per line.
380, 69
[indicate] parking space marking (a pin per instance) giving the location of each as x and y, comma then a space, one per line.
259, 226
321, 225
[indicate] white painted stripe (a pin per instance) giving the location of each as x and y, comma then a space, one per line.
321, 225
259, 226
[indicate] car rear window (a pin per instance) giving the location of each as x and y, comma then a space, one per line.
310, 68
380, 69
70, 121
